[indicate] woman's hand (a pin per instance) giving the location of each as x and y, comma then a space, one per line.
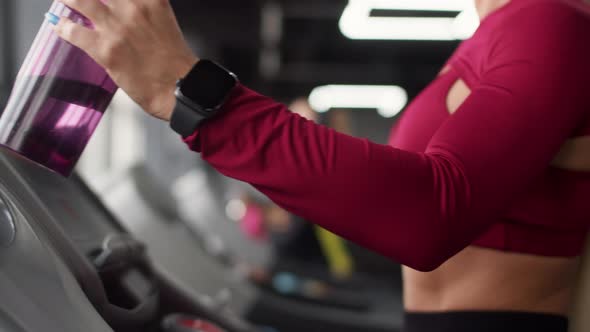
140, 45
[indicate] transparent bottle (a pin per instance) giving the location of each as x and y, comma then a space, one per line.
57, 101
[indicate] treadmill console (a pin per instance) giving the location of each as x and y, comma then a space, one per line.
110, 265
40, 291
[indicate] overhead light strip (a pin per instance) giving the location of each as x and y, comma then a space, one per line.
429, 5
388, 100
357, 23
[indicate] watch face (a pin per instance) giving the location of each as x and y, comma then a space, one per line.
207, 84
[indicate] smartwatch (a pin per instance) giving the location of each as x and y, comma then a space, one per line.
200, 95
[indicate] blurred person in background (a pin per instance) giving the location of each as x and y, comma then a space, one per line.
295, 240
482, 192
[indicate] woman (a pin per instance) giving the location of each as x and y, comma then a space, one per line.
482, 192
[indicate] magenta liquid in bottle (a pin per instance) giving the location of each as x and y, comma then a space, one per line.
57, 101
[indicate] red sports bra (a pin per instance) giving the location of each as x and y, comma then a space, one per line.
479, 176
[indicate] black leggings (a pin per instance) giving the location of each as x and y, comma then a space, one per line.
480, 321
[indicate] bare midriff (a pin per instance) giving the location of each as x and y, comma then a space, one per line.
480, 279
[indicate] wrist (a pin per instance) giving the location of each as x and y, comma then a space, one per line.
165, 103
168, 101
184, 66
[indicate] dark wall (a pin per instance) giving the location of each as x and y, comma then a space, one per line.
6, 49
20, 21
28, 16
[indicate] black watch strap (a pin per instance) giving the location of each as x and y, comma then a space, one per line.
184, 119
200, 95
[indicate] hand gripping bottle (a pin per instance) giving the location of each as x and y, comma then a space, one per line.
58, 99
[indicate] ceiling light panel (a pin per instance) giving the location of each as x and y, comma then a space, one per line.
357, 23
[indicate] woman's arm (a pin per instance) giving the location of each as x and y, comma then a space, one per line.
418, 208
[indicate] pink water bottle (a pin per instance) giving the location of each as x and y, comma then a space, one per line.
58, 99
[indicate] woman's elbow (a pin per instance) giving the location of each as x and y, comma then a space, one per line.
426, 262
430, 254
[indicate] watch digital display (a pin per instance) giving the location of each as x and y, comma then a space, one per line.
207, 84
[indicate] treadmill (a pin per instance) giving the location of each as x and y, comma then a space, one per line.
68, 265
143, 205
39, 291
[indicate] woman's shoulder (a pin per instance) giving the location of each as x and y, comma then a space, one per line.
551, 14
538, 28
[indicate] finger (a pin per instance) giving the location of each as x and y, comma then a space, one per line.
77, 35
139, 10
132, 10
94, 10
115, 6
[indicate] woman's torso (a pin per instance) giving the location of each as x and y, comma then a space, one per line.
528, 260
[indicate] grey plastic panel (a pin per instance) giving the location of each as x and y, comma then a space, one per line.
84, 224
76, 225
7, 228
174, 251
38, 292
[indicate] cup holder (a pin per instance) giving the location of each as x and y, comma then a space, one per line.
130, 287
